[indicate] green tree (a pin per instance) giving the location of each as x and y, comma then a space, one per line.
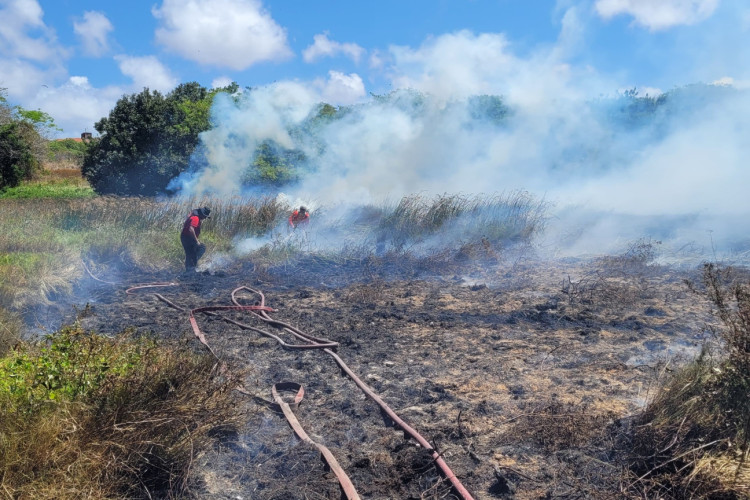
147, 140
488, 107
17, 160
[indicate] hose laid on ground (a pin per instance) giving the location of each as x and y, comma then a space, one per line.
260, 310
408, 430
346, 483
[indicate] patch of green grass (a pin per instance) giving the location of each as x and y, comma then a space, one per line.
26, 261
61, 189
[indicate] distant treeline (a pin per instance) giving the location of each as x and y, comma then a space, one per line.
150, 138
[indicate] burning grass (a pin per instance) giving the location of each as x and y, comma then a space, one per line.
142, 233
87, 415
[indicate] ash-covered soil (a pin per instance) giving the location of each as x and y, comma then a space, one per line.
522, 374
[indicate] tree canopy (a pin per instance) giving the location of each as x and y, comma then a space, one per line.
148, 139
21, 143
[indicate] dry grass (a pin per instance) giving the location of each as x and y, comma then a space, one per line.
41, 255
11, 326
92, 417
693, 440
557, 425
499, 219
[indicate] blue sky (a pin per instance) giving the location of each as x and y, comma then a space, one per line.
74, 59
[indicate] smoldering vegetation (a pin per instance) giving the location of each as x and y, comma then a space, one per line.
612, 169
536, 376
529, 388
530, 374
693, 439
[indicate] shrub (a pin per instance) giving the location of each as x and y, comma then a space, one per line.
84, 415
17, 160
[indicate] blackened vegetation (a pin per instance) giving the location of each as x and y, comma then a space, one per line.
693, 441
527, 389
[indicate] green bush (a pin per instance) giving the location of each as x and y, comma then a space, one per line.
67, 151
17, 160
88, 416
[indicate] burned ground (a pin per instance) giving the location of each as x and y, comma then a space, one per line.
522, 374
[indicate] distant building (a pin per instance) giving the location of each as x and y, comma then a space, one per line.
85, 137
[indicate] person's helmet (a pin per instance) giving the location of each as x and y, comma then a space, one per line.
303, 209
204, 212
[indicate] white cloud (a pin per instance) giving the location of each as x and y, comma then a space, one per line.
376, 61
661, 14
22, 79
148, 72
76, 105
220, 82
461, 64
93, 32
453, 64
341, 89
23, 34
325, 47
225, 33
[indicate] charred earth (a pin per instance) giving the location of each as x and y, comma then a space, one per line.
522, 373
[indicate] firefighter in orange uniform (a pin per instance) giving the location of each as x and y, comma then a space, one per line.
191, 230
299, 217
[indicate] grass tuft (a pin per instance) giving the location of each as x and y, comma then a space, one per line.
87, 415
693, 440
11, 326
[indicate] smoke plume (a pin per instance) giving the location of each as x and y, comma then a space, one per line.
472, 117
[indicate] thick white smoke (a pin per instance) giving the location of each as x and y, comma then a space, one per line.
680, 175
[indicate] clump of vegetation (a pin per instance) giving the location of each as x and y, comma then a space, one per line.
17, 160
111, 417
69, 152
693, 440
497, 220
11, 326
23, 143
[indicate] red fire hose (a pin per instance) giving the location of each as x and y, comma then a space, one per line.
260, 310
346, 483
